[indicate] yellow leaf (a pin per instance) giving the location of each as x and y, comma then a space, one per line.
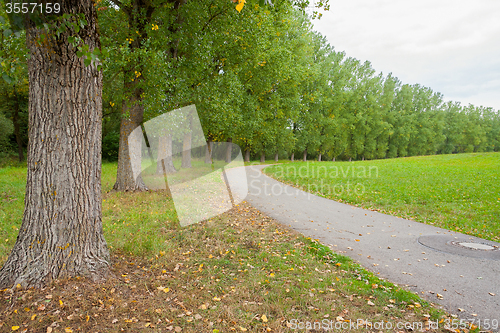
68, 330
61, 303
216, 299
15, 328
33, 317
240, 5
264, 318
242, 328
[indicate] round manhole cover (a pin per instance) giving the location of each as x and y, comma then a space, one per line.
477, 246
462, 245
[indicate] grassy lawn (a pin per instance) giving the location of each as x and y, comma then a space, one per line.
456, 192
240, 271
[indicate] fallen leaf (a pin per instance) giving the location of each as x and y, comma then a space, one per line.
491, 294
49, 329
264, 318
216, 299
370, 303
68, 330
33, 317
177, 329
15, 328
243, 329
114, 321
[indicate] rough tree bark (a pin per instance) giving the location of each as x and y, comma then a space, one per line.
262, 157
319, 157
305, 155
61, 232
276, 156
292, 157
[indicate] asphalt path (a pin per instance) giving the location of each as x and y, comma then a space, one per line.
427, 260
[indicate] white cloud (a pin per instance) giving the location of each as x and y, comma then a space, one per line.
451, 46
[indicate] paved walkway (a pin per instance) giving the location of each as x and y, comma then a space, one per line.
466, 282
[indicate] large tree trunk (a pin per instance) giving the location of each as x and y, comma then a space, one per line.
164, 162
305, 155
276, 156
61, 232
291, 157
247, 155
262, 157
319, 157
208, 151
229, 149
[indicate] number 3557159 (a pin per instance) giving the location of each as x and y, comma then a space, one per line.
31, 7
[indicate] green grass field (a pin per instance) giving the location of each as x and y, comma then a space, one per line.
456, 192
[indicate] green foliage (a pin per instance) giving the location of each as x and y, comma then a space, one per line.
6, 129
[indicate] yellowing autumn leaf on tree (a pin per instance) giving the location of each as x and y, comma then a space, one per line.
240, 5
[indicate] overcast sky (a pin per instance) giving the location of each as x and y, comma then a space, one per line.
451, 46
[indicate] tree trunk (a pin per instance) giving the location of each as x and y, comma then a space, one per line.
229, 148
186, 151
291, 158
61, 233
125, 180
247, 155
208, 151
350, 159
276, 156
333, 160
319, 157
262, 157
305, 155
132, 103
164, 163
